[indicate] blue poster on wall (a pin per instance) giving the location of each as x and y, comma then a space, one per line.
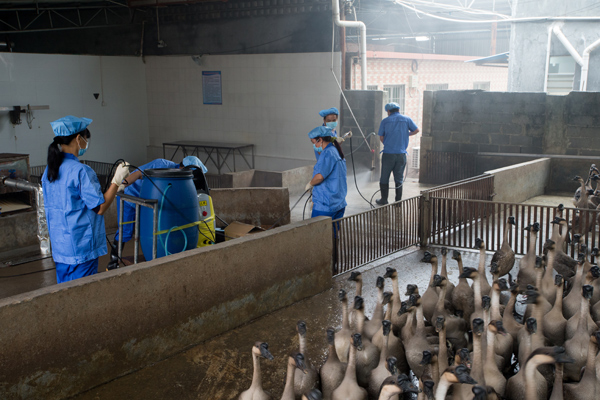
211, 87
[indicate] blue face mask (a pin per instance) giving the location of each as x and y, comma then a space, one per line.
331, 125
82, 151
317, 149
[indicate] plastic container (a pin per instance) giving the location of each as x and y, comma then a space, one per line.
206, 213
177, 211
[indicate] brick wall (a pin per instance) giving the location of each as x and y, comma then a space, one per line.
532, 123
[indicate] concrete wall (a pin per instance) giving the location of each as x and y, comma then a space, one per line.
64, 339
497, 122
296, 179
269, 100
67, 85
521, 182
255, 206
529, 42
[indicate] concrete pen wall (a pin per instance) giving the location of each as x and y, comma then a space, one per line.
520, 182
64, 339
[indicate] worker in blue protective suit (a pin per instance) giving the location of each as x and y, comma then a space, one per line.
74, 202
133, 188
394, 132
328, 184
330, 117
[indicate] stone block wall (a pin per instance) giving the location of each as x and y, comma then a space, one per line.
513, 123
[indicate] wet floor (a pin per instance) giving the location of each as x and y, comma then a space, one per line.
221, 368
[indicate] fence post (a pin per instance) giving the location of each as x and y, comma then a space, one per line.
424, 219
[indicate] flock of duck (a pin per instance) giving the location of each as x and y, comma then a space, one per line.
462, 340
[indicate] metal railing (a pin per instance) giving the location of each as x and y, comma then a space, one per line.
458, 222
362, 238
479, 187
102, 170
442, 166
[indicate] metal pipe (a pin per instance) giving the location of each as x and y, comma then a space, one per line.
563, 39
120, 244
363, 39
42, 231
586, 65
136, 235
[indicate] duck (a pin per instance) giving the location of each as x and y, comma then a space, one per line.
509, 322
572, 301
584, 311
314, 394
395, 346
396, 385
526, 274
456, 327
430, 297
295, 362
417, 343
386, 366
478, 327
585, 389
561, 262
473, 274
256, 392
358, 278
372, 325
342, 338
557, 387
577, 346
503, 341
440, 328
349, 388
555, 322
505, 256
368, 358
309, 378
397, 320
454, 374
462, 295
577, 194
444, 273
534, 300
544, 304
493, 376
543, 355
484, 284
430, 370
515, 385
332, 372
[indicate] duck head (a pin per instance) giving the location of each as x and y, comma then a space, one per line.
558, 280
479, 243
380, 282
411, 289
299, 361
403, 308
469, 272
511, 220
478, 326
355, 276
577, 178
427, 356
479, 392
463, 357
497, 327
444, 251
331, 336
587, 291
462, 374
301, 328
357, 341
390, 365
456, 255
428, 389
494, 268
531, 325
429, 257
486, 302
359, 303
438, 281
390, 273
387, 327
261, 349
440, 323
387, 298
404, 383
502, 284
551, 355
342, 295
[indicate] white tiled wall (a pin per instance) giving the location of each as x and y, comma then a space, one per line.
270, 100
67, 84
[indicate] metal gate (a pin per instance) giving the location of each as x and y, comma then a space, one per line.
362, 238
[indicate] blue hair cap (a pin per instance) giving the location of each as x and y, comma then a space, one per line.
392, 106
69, 125
320, 131
329, 111
195, 161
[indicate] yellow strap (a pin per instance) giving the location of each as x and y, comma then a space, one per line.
129, 222
179, 228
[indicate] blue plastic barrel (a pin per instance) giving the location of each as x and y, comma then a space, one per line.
177, 206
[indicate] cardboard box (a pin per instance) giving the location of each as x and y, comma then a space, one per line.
238, 229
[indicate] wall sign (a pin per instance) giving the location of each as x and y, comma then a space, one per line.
211, 87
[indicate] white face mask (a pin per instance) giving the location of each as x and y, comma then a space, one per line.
82, 151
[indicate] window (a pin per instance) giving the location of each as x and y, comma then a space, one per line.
436, 86
371, 87
561, 73
481, 85
395, 95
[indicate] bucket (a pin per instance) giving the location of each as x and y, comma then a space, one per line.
177, 211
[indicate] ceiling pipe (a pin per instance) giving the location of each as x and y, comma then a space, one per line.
363, 40
563, 39
586, 65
